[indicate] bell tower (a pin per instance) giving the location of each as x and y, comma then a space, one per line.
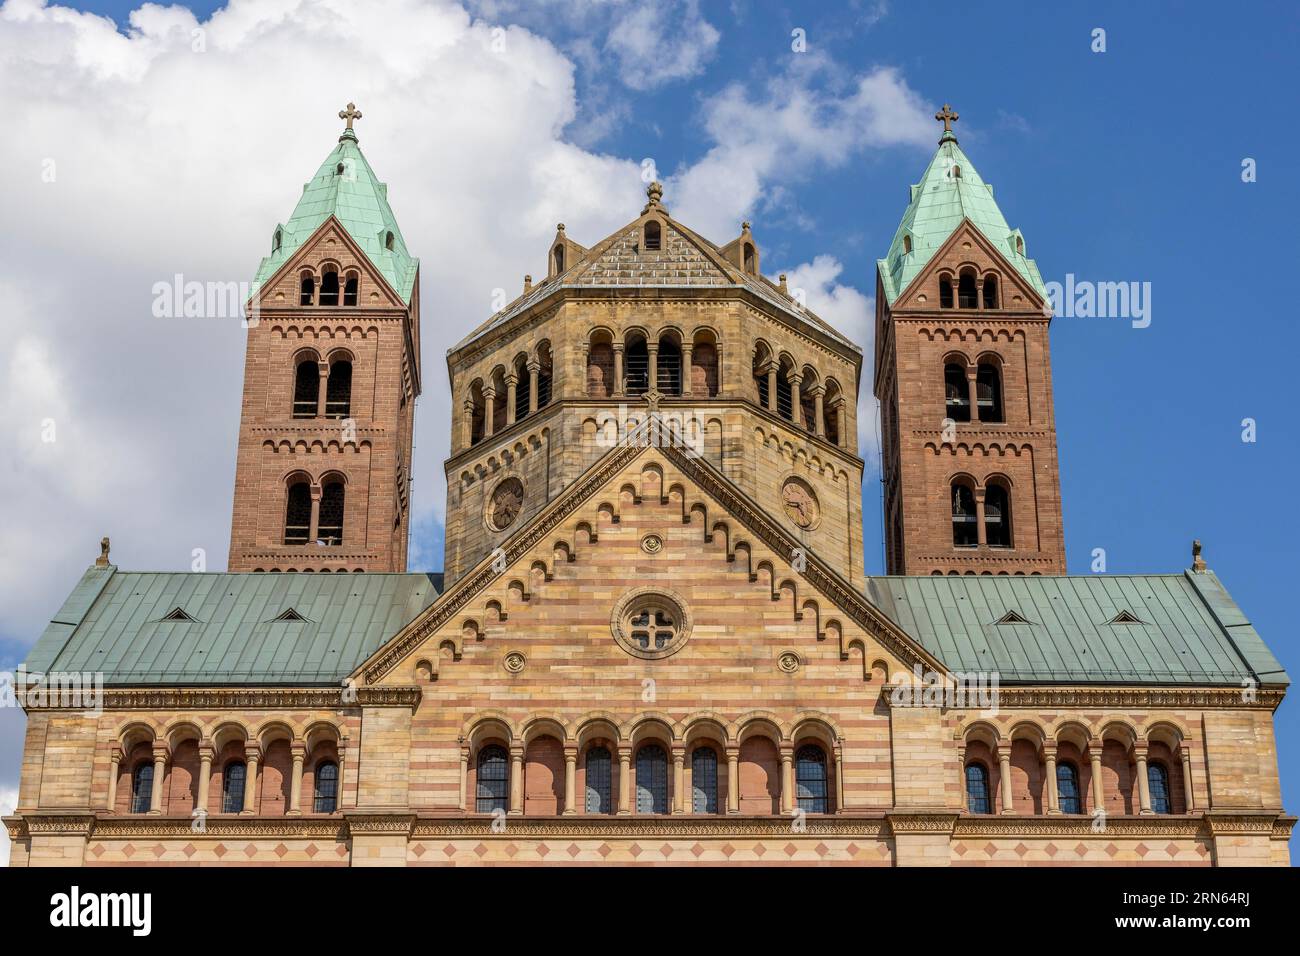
964, 378
331, 373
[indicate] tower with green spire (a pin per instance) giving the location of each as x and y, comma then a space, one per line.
331, 374
963, 374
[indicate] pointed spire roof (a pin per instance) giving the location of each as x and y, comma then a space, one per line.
346, 188
950, 192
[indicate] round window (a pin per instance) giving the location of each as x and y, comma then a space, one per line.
650, 623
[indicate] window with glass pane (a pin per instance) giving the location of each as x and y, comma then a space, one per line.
1158, 784
810, 780
141, 788
493, 780
599, 780
977, 788
1067, 788
704, 780
327, 787
232, 787
651, 780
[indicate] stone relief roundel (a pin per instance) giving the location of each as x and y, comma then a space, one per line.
505, 504
800, 503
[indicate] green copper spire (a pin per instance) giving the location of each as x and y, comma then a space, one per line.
346, 187
950, 192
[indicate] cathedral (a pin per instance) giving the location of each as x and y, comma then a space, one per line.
653, 639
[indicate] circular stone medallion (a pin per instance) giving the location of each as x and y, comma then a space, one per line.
505, 504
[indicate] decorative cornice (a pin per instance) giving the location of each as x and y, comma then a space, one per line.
361, 821
1242, 823
328, 828
1046, 696
926, 822
579, 827
330, 697
1079, 826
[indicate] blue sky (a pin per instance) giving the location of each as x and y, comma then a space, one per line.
1117, 166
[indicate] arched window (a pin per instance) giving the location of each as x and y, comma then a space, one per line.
988, 392
306, 388
1067, 787
997, 516
338, 390
306, 290
277, 241
784, 394
990, 292
945, 292
704, 780
965, 531
329, 288
810, 780
521, 391
956, 401
751, 260
599, 781
637, 367
651, 780
493, 780
350, 291
329, 529
704, 369
558, 257
327, 787
544, 375
600, 368
956, 172
390, 241
297, 513
907, 245
977, 788
668, 367
477, 414
1158, 784
760, 378
966, 297
232, 787
142, 787
652, 236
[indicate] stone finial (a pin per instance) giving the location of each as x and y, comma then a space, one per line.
528, 284
102, 560
744, 227
654, 196
1198, 562
784, 291
559, 227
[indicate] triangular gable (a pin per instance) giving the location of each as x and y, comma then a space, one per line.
816, 573
1125, 617
1013, 617
1011, 277
288, 615
178, 614
307, 250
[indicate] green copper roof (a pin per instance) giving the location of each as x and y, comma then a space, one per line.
113, 622
1190, 631
936, 207
359, 201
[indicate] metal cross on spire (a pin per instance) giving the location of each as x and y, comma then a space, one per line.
947, 117
350, 114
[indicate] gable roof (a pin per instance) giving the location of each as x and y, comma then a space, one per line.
936, 206
359, 201
686, 260
1196, 634
113, 623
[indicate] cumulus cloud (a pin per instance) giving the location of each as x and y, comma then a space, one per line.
661, 42
176, 147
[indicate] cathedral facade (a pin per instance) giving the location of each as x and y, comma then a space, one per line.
653, 639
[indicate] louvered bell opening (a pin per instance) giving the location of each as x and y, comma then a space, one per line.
329, 530
784, 398
956, 393
306, 383
521, 396
965, 531
338, 391
761, 381
638, 369
668, 370
297, 521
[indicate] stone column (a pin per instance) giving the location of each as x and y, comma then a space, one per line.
961, 776
467, 427
159, 770
839, 777
771, 387
972, 390
1004, 775
114, 769
733, 779
688, 349
1187, 775
796, 404
1098, 789
624, 781
489, 410
516, 781
570, 780
322, 391
787, 779
251, 757
679, 779
512, 386
818, 393
1144, 784
534, 369
981, 532
299, 752
464, 776
841, 425
206, 754
314, 522
652, 359
618, 369
1053, 795
343, 756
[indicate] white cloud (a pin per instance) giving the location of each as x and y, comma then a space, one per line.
166, 160
8, 801
656, 43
